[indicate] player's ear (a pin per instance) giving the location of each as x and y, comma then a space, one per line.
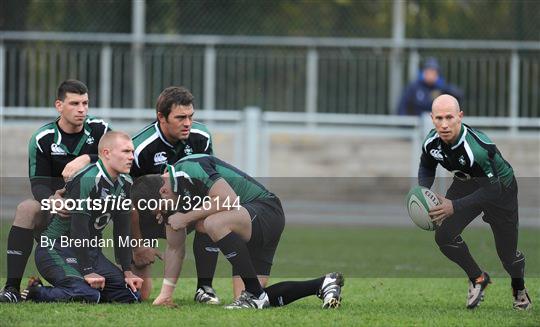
161, 117
58, 105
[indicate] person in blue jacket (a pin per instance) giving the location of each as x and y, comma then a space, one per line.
419, 95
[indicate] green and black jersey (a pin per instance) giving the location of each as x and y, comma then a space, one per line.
50, 149
153, 152
194, 175
102, 199
473, 158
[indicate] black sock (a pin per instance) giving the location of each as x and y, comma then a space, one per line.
518, 283
19, 247
206, 255
283, 293
236, 251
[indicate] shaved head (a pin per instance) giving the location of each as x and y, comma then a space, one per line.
446, 116
108, 141
445, 101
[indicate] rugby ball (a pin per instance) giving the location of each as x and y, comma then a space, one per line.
419, 201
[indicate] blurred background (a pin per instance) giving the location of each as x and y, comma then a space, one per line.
327, 98
322, 80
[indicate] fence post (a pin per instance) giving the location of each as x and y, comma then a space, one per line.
396, 54
137, 48
312, 73
105, 77
251, 140
514, 92
2, 73
414, 62
3, 78
209, 100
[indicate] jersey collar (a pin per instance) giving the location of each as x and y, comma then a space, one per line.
461, 137
104, 172
58, 137
161, 136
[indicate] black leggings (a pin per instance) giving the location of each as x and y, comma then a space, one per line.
503, 219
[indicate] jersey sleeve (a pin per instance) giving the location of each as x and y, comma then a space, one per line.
485, 174
80, 188
122, 229
39, 170
428, 165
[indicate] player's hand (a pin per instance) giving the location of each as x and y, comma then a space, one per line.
143, 256
133, 281
178, 221
74, 166
442, 211
95, 281
59, 196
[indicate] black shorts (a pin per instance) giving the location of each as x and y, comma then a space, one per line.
503, 210
267, 223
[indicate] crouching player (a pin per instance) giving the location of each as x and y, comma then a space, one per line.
245, 220
69, 254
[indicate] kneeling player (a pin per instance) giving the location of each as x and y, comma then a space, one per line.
245, 220
70, 259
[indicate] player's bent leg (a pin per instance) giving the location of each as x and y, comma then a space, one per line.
222, 223
68, 284
116, 289
27, 214
68, 289
19, 246
205, 252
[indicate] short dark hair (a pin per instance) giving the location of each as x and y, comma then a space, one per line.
70, 86
146, 187
173, 95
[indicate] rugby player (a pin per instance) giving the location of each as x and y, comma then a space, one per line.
172, 136
55, 152
244, 219
484, 182
69, 255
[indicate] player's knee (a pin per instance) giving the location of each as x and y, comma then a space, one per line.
212, 226
27, 214
443, 237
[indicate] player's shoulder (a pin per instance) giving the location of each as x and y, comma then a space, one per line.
84, 177
199, 129
43, 135
196, 157
43, 130
477, 135
149, 132
431, 139
126, 179
479, 144
97, 123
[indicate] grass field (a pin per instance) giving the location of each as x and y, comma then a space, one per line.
394, 276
